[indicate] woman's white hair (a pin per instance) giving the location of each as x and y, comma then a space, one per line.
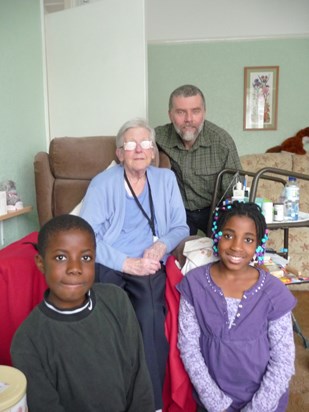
132, 124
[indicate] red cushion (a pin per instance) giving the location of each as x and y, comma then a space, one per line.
22, 287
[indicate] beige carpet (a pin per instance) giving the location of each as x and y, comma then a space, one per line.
299, 387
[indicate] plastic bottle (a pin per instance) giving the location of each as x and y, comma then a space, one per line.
291, 199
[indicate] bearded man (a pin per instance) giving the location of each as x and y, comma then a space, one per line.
197, 150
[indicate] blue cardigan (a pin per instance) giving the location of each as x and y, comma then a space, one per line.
104, 208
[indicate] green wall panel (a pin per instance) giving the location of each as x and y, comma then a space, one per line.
22, 128
218, 69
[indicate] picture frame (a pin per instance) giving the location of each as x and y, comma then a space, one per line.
261, 97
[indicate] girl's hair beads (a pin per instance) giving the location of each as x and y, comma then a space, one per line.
223, 213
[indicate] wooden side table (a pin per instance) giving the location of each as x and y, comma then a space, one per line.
10, 215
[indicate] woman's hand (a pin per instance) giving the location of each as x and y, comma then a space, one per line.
149, 264
141, 266
156, 251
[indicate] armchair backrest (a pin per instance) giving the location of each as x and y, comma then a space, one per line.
63, 175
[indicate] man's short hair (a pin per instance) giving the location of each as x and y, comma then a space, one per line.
60, 224
187, 90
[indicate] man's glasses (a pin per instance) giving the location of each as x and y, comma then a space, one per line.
145, 144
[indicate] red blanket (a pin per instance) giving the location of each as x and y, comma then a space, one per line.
177, 390
22, 287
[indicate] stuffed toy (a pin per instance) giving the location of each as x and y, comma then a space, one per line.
294, 144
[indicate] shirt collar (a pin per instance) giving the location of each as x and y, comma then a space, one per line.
88, 305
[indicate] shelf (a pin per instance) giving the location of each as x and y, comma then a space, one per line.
10, 215
288, 224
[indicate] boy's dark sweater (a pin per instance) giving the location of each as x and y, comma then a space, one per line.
91, 360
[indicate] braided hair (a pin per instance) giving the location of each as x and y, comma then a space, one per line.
223, 213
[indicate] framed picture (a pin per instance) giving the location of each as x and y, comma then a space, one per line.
261, 98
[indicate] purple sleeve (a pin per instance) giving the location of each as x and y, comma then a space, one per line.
280, 367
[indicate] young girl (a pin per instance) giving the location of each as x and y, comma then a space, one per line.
235, 328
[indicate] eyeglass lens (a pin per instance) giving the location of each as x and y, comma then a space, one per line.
145, 144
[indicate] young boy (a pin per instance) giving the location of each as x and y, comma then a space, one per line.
80, 348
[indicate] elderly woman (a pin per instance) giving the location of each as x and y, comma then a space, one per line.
138, 216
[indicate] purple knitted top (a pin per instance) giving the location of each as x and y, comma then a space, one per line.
236, 355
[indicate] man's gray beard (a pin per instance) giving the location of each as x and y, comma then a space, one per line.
189, 136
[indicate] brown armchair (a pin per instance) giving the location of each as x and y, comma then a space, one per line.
63, 175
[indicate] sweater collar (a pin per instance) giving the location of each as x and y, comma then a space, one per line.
68, 314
